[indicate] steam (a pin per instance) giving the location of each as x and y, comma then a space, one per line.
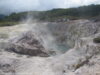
42, 33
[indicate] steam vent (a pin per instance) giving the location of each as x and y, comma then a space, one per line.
27, 44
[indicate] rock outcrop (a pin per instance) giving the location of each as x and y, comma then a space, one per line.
69, 32
27, 44
83, 59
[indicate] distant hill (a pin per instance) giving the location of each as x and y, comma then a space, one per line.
2, 16
87, 12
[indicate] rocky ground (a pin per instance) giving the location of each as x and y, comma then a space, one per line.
23, 52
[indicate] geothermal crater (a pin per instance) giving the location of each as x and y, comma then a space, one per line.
69, 48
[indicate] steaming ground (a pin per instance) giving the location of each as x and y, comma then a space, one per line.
13, 63
81, 59
40, 31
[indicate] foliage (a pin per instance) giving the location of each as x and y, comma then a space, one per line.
7, 23
57, 14
96, 40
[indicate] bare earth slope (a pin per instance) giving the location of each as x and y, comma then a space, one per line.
82, 59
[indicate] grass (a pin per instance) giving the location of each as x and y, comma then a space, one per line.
2, 24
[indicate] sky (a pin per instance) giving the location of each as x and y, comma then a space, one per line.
9, 6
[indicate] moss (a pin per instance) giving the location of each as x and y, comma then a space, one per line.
96, 40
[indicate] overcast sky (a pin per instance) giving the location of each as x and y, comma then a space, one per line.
8, 6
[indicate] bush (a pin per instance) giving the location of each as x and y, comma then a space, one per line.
96, 40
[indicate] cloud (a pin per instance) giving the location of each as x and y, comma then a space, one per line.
76, 3
8, 6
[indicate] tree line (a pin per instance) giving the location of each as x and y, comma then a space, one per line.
90, 11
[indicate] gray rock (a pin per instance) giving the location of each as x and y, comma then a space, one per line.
27, 44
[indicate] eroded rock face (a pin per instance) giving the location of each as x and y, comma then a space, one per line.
69, 32
27, 44
83, 59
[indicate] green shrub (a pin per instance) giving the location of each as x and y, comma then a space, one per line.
96, 40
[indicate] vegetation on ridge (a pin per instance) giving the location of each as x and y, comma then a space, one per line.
83, 12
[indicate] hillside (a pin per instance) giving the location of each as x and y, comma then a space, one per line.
59, 15
2, 16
